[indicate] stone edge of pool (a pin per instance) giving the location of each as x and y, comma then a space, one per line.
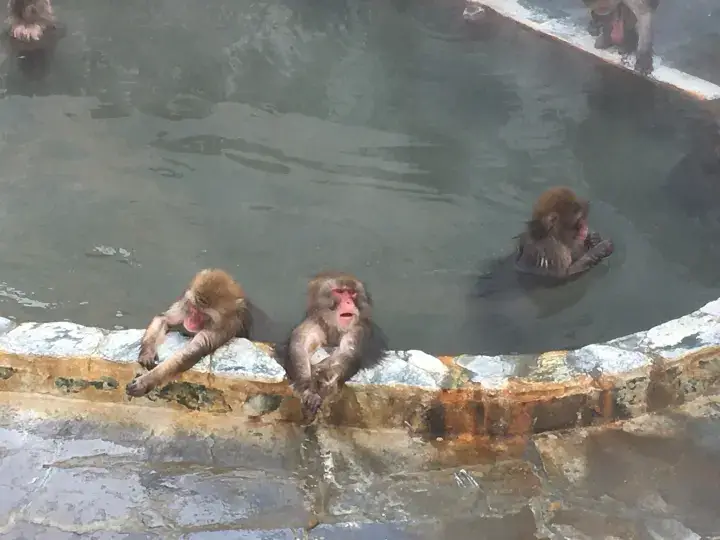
435, 396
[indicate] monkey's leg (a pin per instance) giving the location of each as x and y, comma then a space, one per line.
204, 343
591, 258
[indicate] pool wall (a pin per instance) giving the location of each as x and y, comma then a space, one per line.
446, 397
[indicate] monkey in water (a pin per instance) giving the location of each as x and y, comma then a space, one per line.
338, 316
29, 19
626, 24
213, 310
557, 243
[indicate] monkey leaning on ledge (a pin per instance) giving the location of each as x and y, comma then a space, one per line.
213, 310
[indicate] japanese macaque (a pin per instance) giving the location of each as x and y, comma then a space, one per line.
212, 310
557, 242
29, 19
338, 316
626, 24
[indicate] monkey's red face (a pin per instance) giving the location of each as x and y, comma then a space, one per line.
195, 318
581, 228
346, 310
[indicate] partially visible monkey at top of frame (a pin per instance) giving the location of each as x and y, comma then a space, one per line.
626, 24
30, 19
212, 310
338, 316
557, 242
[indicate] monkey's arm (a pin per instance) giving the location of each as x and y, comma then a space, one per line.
304, 341
545, 263
344, 362
157, 330
203, 344
643, 11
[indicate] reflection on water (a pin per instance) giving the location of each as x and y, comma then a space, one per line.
387, 138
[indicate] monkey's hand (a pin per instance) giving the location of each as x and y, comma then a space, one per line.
311, 403
139, 386
644, 62
27, 32
593, 240
601, 251
148, 358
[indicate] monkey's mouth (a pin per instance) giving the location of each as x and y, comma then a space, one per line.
345, 317
582, 230
194, 322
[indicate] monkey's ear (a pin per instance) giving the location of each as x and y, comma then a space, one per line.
550, 220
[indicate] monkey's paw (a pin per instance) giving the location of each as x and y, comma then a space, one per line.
138, 387
148, 360
644, 62
27, 32
311, 403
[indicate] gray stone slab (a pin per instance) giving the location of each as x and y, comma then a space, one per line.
490, 371
396, 370
242, 358
605, 359
61, 339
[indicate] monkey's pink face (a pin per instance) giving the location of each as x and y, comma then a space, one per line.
194, 319
346, 309
581, 228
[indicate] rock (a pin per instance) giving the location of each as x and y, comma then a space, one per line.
60, 339
121, 346
596, 359
394, 370
490, 371
242, 358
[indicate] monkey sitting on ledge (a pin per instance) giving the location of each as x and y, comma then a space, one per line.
338, 316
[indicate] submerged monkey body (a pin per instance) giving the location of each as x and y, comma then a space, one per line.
558, 242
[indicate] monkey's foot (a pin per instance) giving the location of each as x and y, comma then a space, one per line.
644, 62
27, 32
138, 387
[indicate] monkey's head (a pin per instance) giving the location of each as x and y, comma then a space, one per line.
211, 296
340, 299
560, 213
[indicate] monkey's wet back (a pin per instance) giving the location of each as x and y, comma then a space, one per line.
77, 470
390, 141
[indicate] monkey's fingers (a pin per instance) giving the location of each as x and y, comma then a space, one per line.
149, 360
311, 402
27, 32
138, 387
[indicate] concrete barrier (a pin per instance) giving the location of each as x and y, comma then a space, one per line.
465, 396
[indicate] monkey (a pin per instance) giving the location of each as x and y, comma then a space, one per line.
212, 311
29, 19
627, 24
557, 243
338, 315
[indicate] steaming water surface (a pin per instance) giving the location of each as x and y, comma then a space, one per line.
276, 139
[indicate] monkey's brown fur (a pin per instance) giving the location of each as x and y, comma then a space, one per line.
213, 310
339, 315
557, 242
636, 23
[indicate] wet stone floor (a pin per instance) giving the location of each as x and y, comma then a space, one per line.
68, 475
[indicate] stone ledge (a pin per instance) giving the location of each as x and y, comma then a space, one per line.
435, 396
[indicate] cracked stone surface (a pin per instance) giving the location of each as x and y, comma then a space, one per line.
61, 339
490, 371
653, 477
412, 368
